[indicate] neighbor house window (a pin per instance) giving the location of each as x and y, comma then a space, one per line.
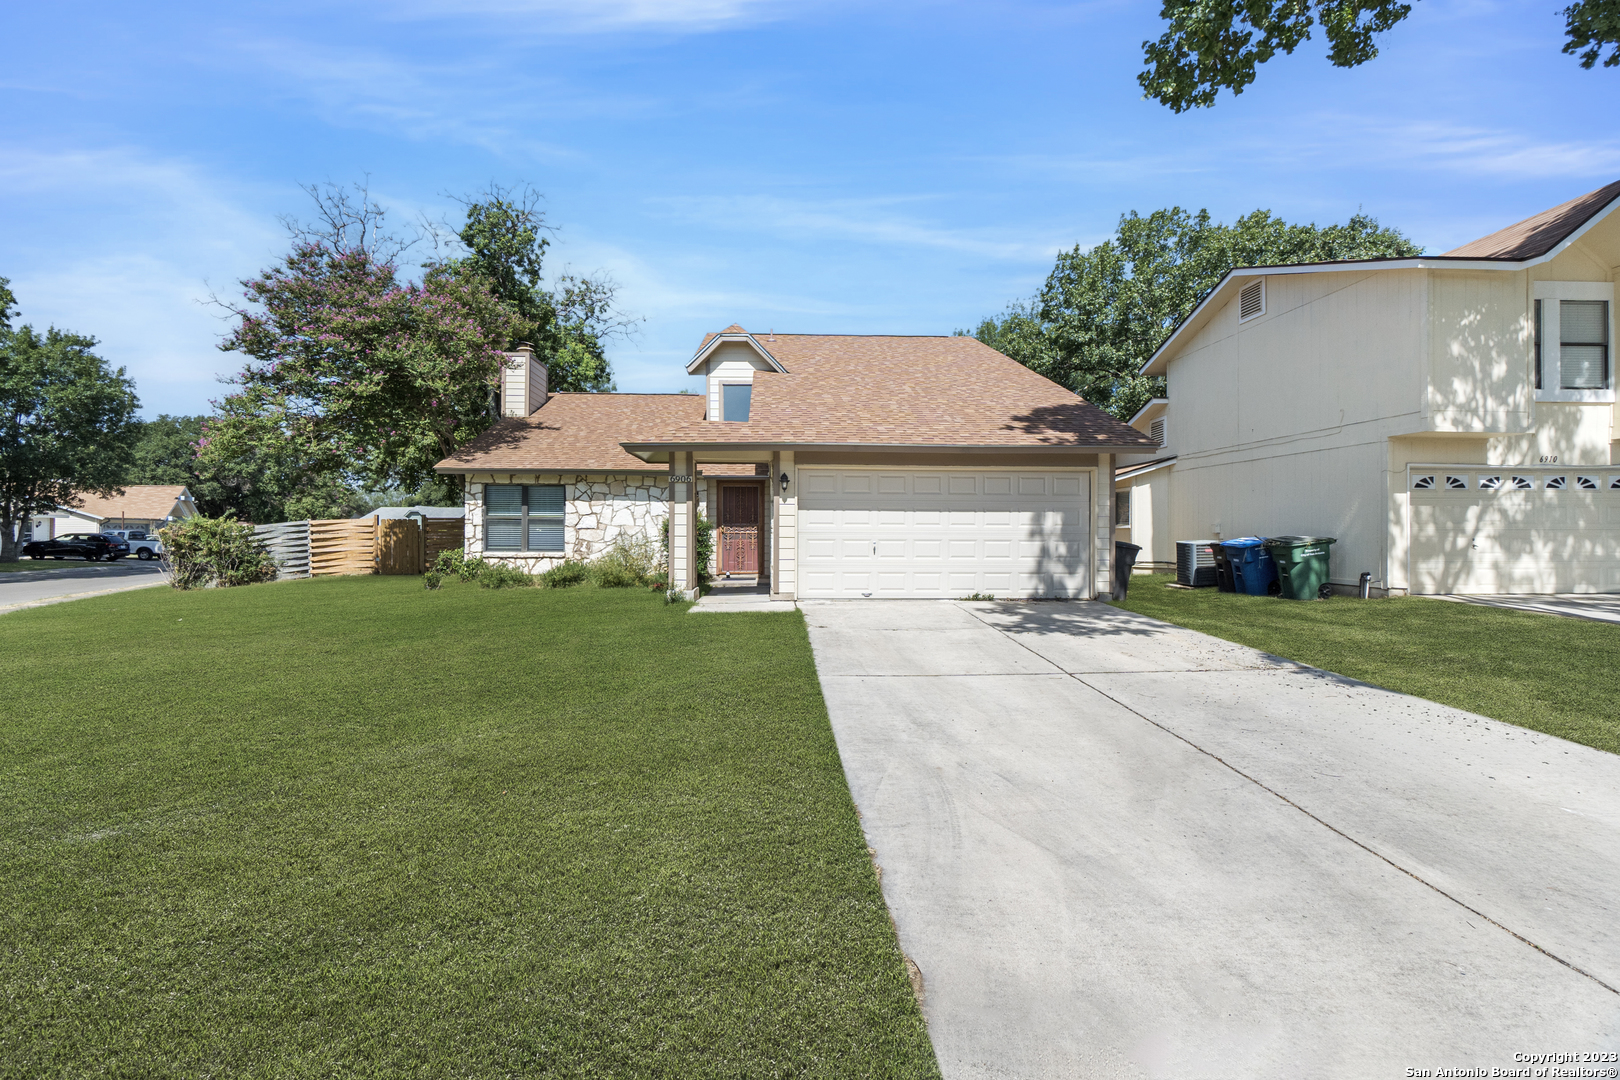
524, 517
734, 400
1122, 508
1583, 344
1538, 344
1572, 338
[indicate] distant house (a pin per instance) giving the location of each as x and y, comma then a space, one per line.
391, 513
1451, 419
141, 506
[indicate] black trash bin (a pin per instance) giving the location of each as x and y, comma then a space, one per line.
1124, 559
1225, 580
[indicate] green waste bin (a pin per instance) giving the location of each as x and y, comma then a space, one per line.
1302, 565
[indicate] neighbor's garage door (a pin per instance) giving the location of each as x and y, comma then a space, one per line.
1507, 530
938, 532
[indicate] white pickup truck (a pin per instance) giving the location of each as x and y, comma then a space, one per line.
142, 544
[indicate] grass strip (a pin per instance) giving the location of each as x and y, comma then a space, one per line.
1541, 672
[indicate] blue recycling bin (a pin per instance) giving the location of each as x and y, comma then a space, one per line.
1253, 568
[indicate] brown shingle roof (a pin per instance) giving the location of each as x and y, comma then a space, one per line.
908, 391
576, 432
148, 502
1535, 236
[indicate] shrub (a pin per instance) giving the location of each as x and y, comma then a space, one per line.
471, 569
449, 562
631, 562
502, 576
705, 546
432, 579
565, 574
205, 552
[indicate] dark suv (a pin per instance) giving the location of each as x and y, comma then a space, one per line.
92, 546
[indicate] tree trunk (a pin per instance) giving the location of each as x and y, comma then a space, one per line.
8, 539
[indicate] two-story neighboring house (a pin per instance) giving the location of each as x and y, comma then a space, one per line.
1450, 418
830, 465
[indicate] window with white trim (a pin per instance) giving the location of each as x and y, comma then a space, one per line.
1586, 483
1252, 301
1523, 483
524, 517
1556, 483
1573, 340
1422, 483
1457, 483
1490, 483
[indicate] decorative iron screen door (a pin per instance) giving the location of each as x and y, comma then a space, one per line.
739, 529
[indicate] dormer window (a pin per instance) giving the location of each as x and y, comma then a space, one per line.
734, 400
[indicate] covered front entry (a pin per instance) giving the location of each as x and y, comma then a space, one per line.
944, 532
1514, 529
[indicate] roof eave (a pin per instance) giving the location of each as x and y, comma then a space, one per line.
647, 451
1155, 363
720, 339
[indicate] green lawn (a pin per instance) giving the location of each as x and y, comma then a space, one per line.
348, 827
1542, 672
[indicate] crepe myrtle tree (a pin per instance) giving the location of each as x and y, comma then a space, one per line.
1214, 45
354, 371
67, 423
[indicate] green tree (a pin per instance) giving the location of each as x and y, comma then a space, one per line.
67, 422
1104, 310
504, 242
1211, 45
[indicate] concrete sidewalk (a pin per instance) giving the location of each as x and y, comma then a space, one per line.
1119, 848
1598, 607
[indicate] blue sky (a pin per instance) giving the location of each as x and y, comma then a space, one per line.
815, 166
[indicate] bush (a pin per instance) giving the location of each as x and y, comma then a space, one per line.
471, 569
205, 552
449, 562
705, 546
432, 579
630, 563
565, 574
502, 576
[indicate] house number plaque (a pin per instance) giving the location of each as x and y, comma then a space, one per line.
681, 478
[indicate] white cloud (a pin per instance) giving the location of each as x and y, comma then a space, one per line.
137, 273
871, 221
596, 16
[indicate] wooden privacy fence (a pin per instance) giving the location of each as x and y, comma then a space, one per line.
369, 545
443, 534
288, 544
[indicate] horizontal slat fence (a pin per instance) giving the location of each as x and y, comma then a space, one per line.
443, 534
288, 544
343, 546
358, 545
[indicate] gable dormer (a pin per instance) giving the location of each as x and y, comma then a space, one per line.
728, 361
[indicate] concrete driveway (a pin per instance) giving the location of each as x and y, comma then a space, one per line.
69, 580
1119, 848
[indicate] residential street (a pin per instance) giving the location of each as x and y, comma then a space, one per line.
60, 580
1119, 848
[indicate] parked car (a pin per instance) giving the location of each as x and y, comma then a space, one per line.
142, 544
92, 546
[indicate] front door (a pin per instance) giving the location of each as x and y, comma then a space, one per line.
739, 528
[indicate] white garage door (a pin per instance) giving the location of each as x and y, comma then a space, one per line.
944, 532
1514, 530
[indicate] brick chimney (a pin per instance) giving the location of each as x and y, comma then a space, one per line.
523, 383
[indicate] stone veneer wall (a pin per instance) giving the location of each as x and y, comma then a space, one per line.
600, 508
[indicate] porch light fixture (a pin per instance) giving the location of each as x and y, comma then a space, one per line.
784, 483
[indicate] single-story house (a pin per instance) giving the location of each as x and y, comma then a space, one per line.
1450, 419
141, 506
830, 465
